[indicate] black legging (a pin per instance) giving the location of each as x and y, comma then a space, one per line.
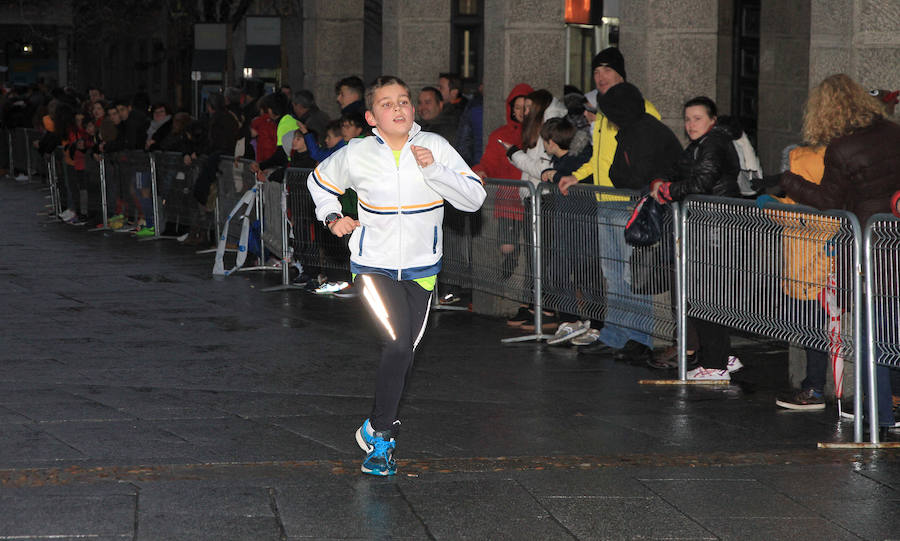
406, 304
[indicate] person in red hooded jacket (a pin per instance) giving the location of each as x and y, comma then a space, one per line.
508, 209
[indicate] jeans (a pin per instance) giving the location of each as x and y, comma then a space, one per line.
621, 302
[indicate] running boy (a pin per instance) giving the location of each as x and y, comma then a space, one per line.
402, 176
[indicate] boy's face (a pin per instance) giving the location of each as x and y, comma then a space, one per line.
90, 128
392, 111
349, 130
123, 112
551, 147
332, 138
347, 96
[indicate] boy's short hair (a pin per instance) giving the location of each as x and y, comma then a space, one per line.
560, 131
381, 82
454, 81
353, 82
357, 119
334, 127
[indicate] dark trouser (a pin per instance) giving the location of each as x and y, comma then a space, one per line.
206, 178
711, 341
406, 305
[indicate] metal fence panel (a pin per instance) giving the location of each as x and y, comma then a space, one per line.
174, 185
747, 267
33, 159
499, 256
883, 287
317, 250
273, 220
591, 272
234, 178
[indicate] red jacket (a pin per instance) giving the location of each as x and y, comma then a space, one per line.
266, 143
495, 164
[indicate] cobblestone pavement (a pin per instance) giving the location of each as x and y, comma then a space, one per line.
140, 398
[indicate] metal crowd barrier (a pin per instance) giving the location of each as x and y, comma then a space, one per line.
33, 159
172, 192
591, 272
316, 249
747, 267
882, 278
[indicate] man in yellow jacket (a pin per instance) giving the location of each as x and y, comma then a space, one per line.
609, 70
633, 344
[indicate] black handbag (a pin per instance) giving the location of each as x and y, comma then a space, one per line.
644, 227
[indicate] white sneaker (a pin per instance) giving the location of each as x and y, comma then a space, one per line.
589, 337
734, 364
331, 287
707, 374
567, 331
66, 215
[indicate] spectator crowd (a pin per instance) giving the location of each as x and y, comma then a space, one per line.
610, 136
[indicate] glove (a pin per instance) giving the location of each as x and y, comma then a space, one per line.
764, 183
763, 199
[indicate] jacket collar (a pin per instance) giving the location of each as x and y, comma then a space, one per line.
412, 133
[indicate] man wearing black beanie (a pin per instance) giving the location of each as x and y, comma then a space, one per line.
609, 71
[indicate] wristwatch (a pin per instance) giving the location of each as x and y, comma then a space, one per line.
331, 218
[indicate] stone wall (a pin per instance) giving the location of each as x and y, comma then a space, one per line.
524, 42
670, 47
332, 48
860, 38
783, 77
416, 41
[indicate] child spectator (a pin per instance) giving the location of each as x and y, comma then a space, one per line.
263, 128
395, 246
333, 140
354, 125
508, 210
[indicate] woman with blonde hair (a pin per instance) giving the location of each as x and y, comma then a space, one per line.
862, 170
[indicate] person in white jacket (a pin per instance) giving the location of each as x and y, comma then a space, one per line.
403, 177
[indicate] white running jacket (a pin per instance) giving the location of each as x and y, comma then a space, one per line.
401, 209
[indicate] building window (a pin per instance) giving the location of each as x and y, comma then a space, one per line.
467, 43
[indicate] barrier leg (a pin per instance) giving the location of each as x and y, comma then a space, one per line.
536, 257
154, 192
286, 252
679, 220
103, 198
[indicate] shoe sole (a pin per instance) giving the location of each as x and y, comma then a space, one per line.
800, 407
574, 334
377, 473
362, 443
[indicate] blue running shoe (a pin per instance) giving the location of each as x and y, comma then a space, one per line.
364, 439
380, 461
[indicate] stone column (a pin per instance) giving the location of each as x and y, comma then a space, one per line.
783, 78
332, 48
860, 38
671, 50
524, 42
416, 41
